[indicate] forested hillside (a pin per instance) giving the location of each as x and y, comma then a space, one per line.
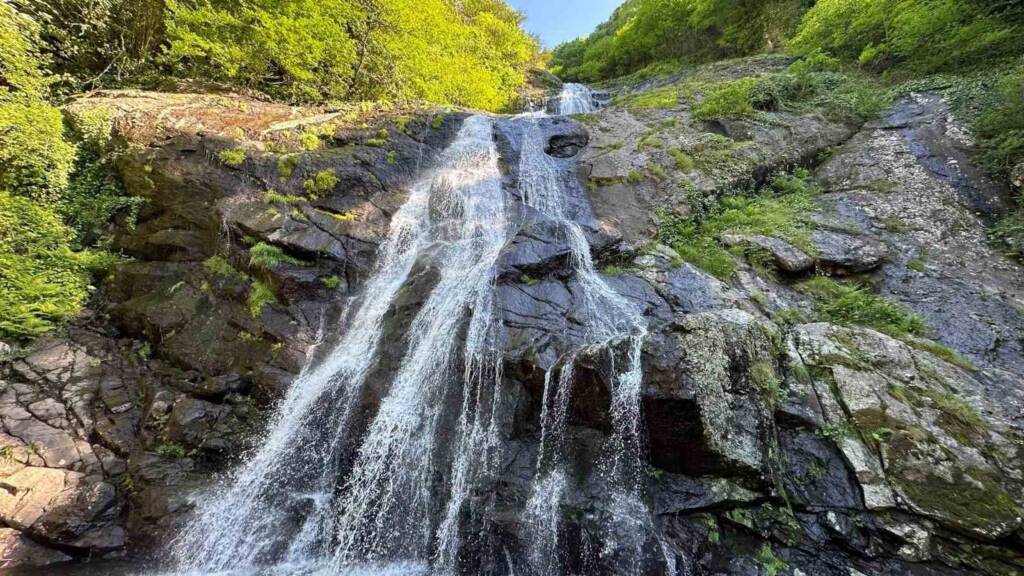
57, 189
858, 54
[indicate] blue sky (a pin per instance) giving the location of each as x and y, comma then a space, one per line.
558, 20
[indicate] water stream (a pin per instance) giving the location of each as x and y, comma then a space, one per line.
390, 491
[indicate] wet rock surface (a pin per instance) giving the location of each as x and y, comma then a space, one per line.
797, 447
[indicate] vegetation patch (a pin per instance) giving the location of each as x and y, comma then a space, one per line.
260, 295
267, 256
234, 157
783, 211
848, 305
323, 182
43, 282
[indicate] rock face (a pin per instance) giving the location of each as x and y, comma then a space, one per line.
774, 445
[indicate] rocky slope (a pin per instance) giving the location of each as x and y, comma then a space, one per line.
778, 443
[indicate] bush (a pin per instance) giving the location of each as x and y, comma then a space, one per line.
917, 35
35, 161
1000, 129
470, 53
732, 100
42, 281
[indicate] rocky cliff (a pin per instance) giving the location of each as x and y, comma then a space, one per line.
779, 440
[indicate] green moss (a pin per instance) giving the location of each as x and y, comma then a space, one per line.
634, 177
437, 121
918, 265
392, 157
331, 282
309, 141
973, 498
785, 212
341, 217
322, 183
529, 280
260, 295
944, 352
850, 305
772, 564
221, 267
659, 98
657, 172
957, 417
267, 256
273, 197
234, 157
286, 165
613, 271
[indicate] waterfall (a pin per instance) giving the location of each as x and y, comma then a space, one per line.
455, 218
611, 323
336, 488
575, 99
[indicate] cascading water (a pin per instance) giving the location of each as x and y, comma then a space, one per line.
575, 99
331, 490
382, 512
610, 323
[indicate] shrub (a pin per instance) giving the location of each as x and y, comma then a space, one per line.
35, 161
728, 100
1000, 129
42, 281
919, 35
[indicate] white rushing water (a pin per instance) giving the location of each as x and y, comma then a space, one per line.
389, 493
575, 99
610, 323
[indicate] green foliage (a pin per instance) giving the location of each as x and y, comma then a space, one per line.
322, 183
234, 157
309, 141
682, 160
772, 564
260, 295
645, 37
35, 161
171, 450
274, 197
98, 43
96, 194
916, 35
268, 256
1000, 129
286, 165
850, 305
784, 211
42, 281
221, 267
732, 100
470, 53
612, 270
331, 282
